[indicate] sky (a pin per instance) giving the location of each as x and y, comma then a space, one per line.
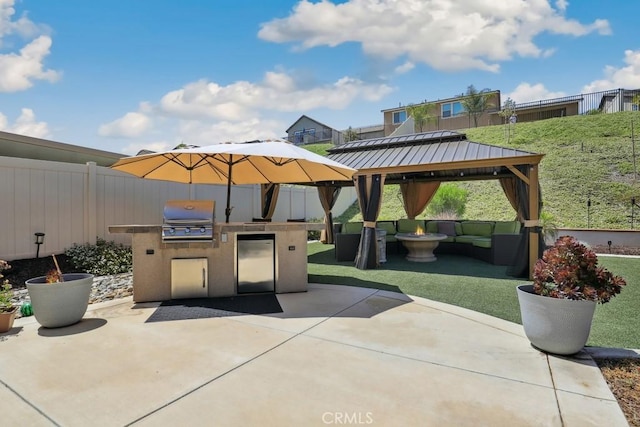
123, 75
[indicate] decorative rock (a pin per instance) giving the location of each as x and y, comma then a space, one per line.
104, 288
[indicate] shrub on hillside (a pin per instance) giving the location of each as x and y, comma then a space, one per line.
449, 201
102, 259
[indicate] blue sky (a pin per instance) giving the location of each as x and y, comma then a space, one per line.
125, 75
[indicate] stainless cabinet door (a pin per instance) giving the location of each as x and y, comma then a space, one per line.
256, 266
189, 278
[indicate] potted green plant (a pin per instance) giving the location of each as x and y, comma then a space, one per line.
557, 309
59, 299
7, 308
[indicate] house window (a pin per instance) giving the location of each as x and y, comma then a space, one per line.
452, 109
399, 117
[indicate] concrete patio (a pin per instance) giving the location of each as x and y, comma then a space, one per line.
336, 355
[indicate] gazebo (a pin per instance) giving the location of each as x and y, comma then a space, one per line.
419, 163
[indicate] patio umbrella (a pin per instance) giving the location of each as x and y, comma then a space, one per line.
253, 162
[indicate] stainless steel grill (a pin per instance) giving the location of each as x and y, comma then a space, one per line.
188, 220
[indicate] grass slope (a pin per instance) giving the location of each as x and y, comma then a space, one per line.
586, 157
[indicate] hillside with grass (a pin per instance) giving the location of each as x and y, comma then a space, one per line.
586, 158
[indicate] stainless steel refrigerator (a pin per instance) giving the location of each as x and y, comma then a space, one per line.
256, 267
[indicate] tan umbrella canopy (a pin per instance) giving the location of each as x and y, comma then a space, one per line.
253, 162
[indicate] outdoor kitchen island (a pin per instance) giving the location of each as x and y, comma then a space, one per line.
153, 259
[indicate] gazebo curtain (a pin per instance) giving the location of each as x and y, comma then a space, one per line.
509, 187
416, 196
369, 189
268, 199
328, 195
520, 266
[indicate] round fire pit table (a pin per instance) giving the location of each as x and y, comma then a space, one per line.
420, 246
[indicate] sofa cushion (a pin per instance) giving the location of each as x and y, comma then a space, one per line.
477, 228
447, 227
482, 242
434, 227
506, 227
352, 228
467, 238
390, 228
449, 239
405, 225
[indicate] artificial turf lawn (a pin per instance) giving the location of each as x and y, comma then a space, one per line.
482, 287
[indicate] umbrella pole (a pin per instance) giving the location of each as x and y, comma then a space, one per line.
227, 211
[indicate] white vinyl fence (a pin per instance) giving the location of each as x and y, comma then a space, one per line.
73, 203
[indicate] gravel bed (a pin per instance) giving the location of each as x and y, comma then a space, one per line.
105, 288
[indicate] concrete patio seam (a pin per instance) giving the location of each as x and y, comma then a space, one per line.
429, 362
207, 382
555, 389
28, 403
235, 368
454, 313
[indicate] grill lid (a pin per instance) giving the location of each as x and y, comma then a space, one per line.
189, 212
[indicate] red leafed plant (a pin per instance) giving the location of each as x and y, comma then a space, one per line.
569, 270
53, 276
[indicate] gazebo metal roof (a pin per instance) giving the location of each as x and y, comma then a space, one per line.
431, 156
441, 156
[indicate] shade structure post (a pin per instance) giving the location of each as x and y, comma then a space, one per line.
534, 215
227, 210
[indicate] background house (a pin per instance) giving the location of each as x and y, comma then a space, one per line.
448, 114
620, 100
548, 108
364, 132
306, 130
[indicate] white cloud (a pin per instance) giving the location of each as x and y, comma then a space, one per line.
276, 92
131, 125
22, 26
562, 4
204, 112
201, 133
25, 124
526, 92
405, 68
135, 147
19, 70
445, 34
627, 77
194, 132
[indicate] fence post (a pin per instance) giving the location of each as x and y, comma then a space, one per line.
90, 204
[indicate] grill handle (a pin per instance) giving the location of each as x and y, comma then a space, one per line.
203, 278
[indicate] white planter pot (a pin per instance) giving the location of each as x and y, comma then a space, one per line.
559, 326
60, 304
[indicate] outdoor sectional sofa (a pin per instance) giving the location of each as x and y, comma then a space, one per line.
494, 242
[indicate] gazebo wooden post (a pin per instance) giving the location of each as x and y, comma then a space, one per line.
534, 216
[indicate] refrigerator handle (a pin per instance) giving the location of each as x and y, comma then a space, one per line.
203, 277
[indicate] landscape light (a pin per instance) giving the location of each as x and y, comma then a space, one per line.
39, 241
